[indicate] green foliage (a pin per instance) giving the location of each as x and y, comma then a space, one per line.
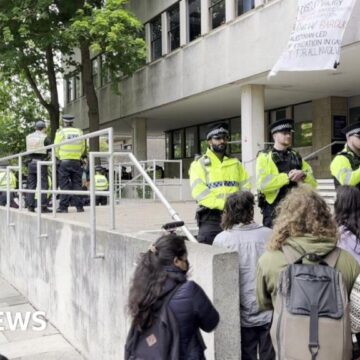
112, 30
19, 109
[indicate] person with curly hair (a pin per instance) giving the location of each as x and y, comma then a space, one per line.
243, 235
304, 223
160, 271
347, 216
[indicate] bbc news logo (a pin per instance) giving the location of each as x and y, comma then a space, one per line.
22, 320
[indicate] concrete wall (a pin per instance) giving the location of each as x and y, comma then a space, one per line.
85, 298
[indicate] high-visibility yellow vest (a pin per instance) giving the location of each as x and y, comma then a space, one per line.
101, 182
3, 180
35, 141
345, 171
71, 151
213, 180
268, 179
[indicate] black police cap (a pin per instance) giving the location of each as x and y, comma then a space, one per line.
283, 125
352, 129
219, 129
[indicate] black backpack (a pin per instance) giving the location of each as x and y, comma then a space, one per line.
160, 341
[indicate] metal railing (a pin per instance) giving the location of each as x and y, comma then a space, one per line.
110, 154
138, 181
312, 155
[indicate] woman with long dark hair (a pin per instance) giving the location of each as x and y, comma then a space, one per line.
160, 271
347, 215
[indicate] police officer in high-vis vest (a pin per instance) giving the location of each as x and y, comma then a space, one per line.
213, 177
70, 170
34, 143
3, 185
345, 168
279, 169
101, 184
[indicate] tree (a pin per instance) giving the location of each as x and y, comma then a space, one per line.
30, 38
105, 27
17, 114
33, 33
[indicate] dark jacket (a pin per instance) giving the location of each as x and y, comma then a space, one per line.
193, 311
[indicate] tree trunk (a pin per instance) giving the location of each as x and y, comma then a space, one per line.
54, 110
90, 94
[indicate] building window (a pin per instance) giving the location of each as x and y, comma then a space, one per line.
217, 13
194, 19
174, 27
168, 145
203, 130
104, 71
177, 144
95, 71
244, 6
235, 132
303, 125
70, 89
77, 86
155, 28
190, 141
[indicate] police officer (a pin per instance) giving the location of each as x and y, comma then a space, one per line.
213, 177
70, 170
3, 186
279, 169
345, 168
35, 142
101, 184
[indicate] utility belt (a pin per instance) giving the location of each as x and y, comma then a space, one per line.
210, 215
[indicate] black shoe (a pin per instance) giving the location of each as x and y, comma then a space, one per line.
61, 210
31, 209
45, 210
80, 209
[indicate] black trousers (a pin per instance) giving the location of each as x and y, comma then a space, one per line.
32, 181
12, 201
256, 340
208, 221
70, 178
101, 200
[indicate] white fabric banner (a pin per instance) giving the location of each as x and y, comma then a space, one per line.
316, 38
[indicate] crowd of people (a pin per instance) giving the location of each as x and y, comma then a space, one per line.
298, 269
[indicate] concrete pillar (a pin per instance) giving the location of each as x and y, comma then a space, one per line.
164, 33
205, 18
139, 138
148, 42
252, 126
184, 22
229, 10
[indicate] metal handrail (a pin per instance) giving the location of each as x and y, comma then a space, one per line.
309, 156
92, 192
132, 182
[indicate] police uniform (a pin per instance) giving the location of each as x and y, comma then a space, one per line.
3, 187
345, 167
101, 184
70, 170
34, 142
212, 180
272, 169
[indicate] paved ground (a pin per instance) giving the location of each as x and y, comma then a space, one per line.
29, 344
134, 216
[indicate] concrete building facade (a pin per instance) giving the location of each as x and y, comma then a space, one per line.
208, 60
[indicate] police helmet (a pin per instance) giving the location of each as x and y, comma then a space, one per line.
39, 125
68, 118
